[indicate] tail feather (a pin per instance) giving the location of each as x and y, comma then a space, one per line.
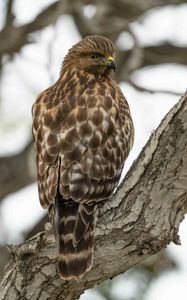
75, 231
84, 220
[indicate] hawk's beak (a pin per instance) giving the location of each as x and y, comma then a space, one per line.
110, 63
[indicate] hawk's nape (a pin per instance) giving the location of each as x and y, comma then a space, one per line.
83, 133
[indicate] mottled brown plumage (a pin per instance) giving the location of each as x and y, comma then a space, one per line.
83, 133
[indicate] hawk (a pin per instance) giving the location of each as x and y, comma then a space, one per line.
83, 133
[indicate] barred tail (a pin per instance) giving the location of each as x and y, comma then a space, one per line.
76, 224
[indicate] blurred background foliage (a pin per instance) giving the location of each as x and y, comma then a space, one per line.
151, 42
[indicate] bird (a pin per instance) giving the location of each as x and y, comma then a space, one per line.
83, 132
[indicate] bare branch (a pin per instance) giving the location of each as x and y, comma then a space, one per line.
149, 56
83, 24
17, 171
13, 38
142, 218
151, 91
9, 13
131, 9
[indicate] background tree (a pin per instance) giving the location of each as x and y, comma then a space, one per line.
119, 20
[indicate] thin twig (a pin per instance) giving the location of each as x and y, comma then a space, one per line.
9, 13
151, 91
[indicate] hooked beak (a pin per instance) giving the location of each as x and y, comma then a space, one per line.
110, 63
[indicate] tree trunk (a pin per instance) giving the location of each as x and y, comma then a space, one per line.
142, 218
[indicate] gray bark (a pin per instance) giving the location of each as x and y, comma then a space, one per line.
142, 218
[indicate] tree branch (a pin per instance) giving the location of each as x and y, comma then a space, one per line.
17, 171
12, 39
9, 13
151, 56
142, 218
149, 90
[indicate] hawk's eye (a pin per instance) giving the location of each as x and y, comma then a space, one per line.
94, 55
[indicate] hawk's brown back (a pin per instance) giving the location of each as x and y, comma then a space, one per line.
83, 134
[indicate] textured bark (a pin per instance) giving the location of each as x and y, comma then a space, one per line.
142, 218
4, 254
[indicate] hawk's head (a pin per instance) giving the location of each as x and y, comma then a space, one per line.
94, 54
